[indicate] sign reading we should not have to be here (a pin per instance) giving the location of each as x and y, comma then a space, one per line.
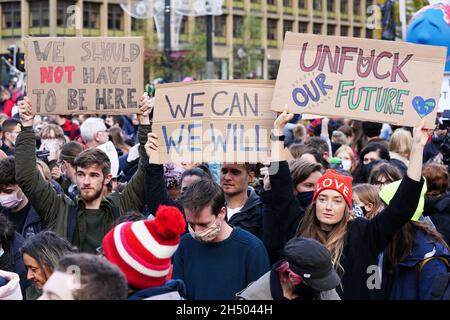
77, 75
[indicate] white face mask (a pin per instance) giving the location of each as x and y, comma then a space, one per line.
346, 164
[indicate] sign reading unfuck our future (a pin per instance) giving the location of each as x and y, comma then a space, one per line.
77, 75
373, 80
221, 121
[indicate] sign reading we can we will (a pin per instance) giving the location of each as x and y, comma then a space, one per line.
77, 75
221, 121
373, 80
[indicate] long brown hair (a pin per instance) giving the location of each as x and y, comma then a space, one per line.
332, 240
403, 243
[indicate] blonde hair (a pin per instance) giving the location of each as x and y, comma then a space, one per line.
339, 137
333, 240
299, 131
46, 132
351, 154
368, 193
401, 142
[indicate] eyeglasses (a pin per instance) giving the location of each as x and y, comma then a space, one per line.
382, 183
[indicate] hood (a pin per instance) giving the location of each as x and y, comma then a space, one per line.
111, 152
252, 201
168, 287
388, 192
9, 286
425, 247
439, 204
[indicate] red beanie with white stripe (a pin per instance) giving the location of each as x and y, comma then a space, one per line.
143, 249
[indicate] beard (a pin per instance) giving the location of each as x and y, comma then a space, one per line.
89, 198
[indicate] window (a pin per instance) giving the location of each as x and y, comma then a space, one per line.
331, 29
221, 69
138, 26
344, 6
302, 4
287, 3
272, 68
91, 18
200, 24
330, 5
238, 23
39, 17
344, 31
115, 18
11, 19
272, 2
271, 29
317, 28
287, 26
62, 17
357, 7
369, 33
357, 32
219, 26
303, 27
317, 5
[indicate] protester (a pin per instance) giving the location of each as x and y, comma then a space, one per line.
215, 261
8, 103
85, 222
366, 198
329, 220
11, 129
305, 274
372, 152
15, 204
143, 251
437, 199
10, 257
383, 173
67, 176
41, 254
84, 276
345, 153
400, 146
9, 286
416, 255
70, 128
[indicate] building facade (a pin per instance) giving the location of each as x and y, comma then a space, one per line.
247, 30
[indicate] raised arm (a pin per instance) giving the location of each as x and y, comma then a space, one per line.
404, 203
132, 198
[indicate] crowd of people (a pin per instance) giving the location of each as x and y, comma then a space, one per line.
344, 210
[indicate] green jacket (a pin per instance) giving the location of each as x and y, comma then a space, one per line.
54, 209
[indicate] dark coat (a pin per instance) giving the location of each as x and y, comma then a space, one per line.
438, 209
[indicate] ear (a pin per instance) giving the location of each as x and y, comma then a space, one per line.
108, 178
96, 137
251, 176
369, 207
222, 213
326, 155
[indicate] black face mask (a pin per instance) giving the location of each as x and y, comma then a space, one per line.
305, 198
305, 292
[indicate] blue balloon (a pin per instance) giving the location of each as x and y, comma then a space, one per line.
431, 25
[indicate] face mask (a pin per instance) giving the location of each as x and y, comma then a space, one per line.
50, 144
305, 292
346, 165
10, 201
359, 211
206, 235
305, 198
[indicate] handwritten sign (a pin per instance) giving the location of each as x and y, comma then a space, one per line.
220, 121
444, 101
381, 81
77, 75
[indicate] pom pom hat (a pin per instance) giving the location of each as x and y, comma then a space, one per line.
143, 249
335, 181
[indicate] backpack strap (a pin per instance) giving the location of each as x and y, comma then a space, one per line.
421, 264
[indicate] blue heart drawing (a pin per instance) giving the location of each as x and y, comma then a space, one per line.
423, 107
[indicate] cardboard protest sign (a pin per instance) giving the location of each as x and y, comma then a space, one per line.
364, 79
220, 121
444, 101
90, 75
